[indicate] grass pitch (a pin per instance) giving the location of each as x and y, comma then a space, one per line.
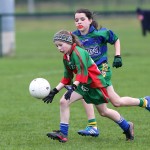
24, 121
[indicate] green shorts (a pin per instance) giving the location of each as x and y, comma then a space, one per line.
106, 72
91, 95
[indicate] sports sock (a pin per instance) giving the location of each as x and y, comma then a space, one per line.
92, 122
64, 128
123, 124
143, 102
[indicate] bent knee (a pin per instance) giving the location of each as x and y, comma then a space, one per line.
103, 114
116, 104
63, 102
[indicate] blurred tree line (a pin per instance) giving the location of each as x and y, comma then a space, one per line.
79, 1
66, 1
71, 5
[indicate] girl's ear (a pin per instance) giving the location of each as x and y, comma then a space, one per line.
90, 20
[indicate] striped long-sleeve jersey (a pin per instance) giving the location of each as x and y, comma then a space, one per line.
84, 68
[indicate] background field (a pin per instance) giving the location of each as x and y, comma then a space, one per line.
72, 5
24, 121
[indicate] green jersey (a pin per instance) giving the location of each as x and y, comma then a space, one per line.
92, 84
79, 63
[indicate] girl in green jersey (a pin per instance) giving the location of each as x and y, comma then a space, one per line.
86, 82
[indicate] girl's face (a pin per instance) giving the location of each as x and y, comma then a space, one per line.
82, 23
63, 47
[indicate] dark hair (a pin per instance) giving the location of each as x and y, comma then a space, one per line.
89, 15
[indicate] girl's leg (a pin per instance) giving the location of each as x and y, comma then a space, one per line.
127, 127
91, 129
65, 106
62, 133
89, 109
118, 101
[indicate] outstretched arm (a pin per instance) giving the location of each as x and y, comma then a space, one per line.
60, 86
117, 48
117, 58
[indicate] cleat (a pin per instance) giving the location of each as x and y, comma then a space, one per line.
130, 132
148, 103
57, 135
89, 131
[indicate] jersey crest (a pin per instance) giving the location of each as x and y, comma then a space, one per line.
71, 65
94, 50
85, 89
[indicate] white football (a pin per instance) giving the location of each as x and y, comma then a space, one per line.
39, 88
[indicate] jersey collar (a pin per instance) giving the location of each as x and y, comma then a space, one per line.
67, 57
78, 33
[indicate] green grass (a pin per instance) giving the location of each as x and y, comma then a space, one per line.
24, 121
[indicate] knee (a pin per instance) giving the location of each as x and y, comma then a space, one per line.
116, 104
115, 101
103, 114
63, 102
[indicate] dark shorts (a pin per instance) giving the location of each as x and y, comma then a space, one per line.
91, 95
